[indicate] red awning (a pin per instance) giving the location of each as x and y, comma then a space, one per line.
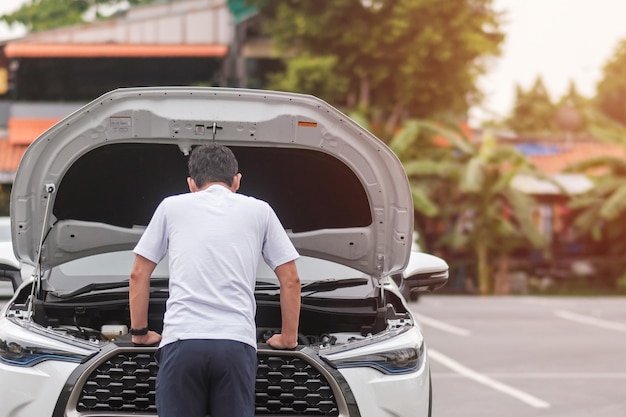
111, 50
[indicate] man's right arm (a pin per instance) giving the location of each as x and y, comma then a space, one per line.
139, 299
287, 274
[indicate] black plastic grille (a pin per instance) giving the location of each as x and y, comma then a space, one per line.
288, 385
125, 382
285, 385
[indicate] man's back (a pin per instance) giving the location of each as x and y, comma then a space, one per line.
214, 238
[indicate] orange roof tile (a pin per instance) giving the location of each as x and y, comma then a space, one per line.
22, 131
575, 152
10, 155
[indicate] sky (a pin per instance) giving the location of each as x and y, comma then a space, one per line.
7, 6
560, 40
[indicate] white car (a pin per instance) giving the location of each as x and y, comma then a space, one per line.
85, 191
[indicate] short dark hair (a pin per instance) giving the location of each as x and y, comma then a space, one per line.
212, 163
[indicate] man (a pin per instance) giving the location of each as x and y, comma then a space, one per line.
214, 238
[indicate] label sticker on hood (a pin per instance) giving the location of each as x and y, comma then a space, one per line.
121, 124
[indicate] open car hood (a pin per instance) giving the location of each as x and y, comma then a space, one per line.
91, 182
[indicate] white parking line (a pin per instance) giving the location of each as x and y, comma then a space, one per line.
441, 325
485, 380
592, 321
533, 375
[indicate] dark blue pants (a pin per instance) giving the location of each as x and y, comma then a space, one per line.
198, 377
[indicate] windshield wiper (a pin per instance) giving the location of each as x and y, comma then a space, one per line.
333, 284
264, 285
100, 286
317, 286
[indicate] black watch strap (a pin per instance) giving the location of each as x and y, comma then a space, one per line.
139, 332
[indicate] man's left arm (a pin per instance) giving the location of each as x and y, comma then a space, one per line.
139, 299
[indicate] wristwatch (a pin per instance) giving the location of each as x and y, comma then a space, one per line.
138, 332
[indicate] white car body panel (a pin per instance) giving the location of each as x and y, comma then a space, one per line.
383, 395
182, 117
30, 391
380, 395
424, 263
7, 256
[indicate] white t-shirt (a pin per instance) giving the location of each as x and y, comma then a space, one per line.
215, 238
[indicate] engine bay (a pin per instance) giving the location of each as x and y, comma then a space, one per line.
324, 322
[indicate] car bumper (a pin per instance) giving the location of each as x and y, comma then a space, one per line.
32, 391
59, 388
380, 395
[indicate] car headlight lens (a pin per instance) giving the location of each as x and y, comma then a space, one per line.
23, 345
397, 361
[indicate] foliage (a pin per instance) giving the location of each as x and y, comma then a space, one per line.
39, 15
572, 111
492, 217
611, 90
401, 59
5, 196
496, 212
466, 188
533, 110
312, 75
600, 214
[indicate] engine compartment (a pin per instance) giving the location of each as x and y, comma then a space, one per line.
324, 322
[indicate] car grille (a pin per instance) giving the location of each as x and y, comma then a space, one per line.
286, 385
125, 382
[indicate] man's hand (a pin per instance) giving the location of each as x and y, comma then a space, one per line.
149, 339
278, 341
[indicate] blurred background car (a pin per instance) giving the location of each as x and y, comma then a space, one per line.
6, 255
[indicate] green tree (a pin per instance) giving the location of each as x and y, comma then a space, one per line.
39, 15
571, 111
611, 90
432, 164
402, 59
315, 75
533, 110
432, 168
498, 214
466, 186
600, 213
5, 196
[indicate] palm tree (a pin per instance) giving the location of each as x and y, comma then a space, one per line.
432, 169
499, 214
466, 187
600, 213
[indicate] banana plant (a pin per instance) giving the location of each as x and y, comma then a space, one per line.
465, 185
600, 213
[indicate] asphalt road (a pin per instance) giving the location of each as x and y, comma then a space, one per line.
526, 356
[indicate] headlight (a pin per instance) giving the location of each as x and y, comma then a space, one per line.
397, 361
26, 344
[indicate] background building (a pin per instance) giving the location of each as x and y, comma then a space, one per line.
46, 75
